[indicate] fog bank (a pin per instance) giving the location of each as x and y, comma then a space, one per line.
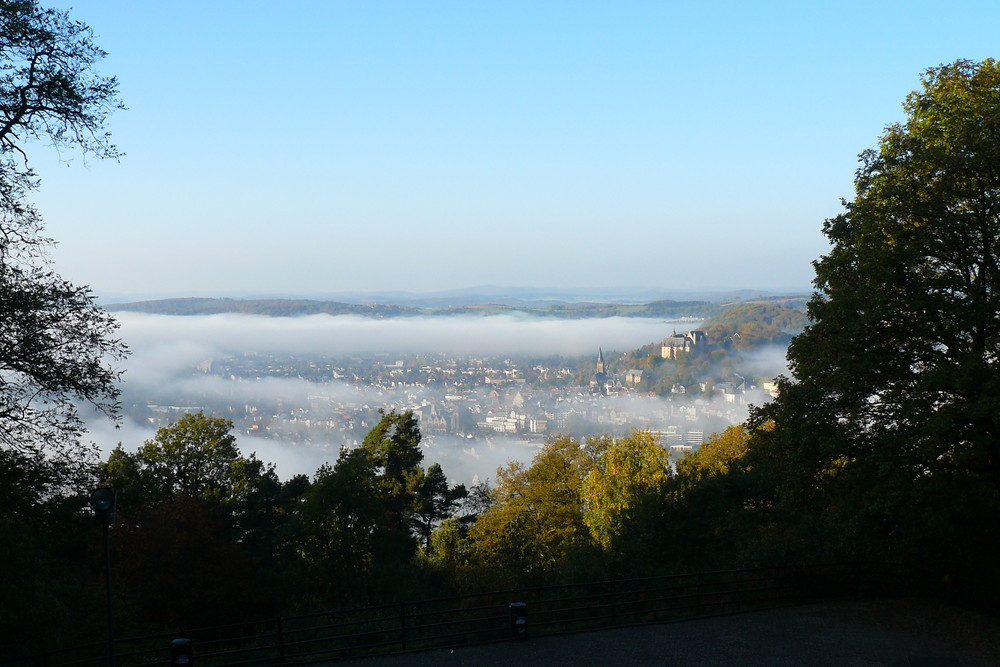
167, 350
349, 334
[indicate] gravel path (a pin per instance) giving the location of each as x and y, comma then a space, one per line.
903, 631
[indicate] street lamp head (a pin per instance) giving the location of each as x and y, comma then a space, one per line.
102, 501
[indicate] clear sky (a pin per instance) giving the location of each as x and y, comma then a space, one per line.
320, 146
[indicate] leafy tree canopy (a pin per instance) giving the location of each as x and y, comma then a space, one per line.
627, 477
194, 457
535, 528
393, 446
56, 346
893, 403
748, 325
433, 501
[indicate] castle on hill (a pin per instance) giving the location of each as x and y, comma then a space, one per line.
673, 347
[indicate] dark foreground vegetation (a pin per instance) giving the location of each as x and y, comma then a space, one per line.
883, 446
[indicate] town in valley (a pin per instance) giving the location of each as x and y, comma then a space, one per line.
683, 389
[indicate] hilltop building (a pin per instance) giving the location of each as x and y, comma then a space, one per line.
675, 346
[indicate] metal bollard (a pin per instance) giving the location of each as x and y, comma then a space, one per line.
181, 652
518, 620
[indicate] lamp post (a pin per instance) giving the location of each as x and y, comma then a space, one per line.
103, 501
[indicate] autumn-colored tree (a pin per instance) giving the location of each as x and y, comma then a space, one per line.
623, 493
535, 530
193, 475
710, 520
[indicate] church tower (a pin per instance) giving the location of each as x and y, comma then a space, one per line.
599, 385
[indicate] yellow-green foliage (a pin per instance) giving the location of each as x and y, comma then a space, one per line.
717, 455
627, 472
756, 324
536, 525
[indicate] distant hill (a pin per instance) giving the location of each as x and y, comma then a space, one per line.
555, 309
484, 294
267, 307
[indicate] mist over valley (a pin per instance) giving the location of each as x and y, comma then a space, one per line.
487, 389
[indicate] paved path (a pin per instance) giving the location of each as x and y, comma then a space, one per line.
906, 632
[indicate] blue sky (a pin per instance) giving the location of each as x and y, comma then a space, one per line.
314, 147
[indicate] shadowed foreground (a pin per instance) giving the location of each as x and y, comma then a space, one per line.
907, 631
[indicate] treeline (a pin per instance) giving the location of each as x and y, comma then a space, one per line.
205, 536
749, 325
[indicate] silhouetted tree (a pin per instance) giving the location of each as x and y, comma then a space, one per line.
433, 501
887, 441
57, 347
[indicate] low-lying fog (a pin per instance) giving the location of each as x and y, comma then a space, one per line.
348, 334
166, 350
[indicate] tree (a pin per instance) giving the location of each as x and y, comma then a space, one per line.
626, 482
192, 457
416, 497
361, 516
49, 90
887, 441
57, 347
715, 457
197, 457
393, 448
535, 530
706, 498
352, 541
48, 575
195, 515
177, 567
433, 501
